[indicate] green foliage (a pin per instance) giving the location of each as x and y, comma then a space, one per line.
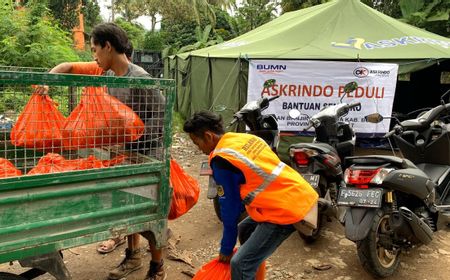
65, 11
387, 7
84, 55
254, 13
225, 25
91, 13
6, 5
30, 38
293, 5
12, 100
177, 122
136, 33
60, 97
431, 15
410, 7
204, 39
154, 41
178, 32
129, 9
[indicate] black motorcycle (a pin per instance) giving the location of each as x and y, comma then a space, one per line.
392, 203
320, 162
263, 126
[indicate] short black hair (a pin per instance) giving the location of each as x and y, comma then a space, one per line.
112, 33
203, 121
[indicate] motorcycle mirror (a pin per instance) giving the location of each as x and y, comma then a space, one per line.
442, 97
374, 118
349, 87
294, 113
352, 86
220, 108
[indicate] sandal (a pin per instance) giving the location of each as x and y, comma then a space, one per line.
109, 245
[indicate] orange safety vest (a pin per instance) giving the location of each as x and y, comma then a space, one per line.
273, 192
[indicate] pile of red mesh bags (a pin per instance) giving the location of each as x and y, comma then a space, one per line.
53, 163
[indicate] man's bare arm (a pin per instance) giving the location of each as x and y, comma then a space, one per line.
65, 67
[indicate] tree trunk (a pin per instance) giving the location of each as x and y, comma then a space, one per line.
112, 10
153, 22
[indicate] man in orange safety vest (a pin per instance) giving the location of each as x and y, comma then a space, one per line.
276, 197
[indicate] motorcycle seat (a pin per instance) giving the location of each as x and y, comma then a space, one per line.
323, 147
435, 172
379, 160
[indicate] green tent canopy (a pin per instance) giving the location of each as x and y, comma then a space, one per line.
338, 30
345, 29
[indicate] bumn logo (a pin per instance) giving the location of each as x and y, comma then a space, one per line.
271, 67
361, 72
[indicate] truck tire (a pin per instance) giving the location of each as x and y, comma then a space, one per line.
375, 259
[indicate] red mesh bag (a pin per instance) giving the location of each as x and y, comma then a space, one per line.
7, 169
214, 270
54, 163
39, 125
100, 120
186, 191
222, 271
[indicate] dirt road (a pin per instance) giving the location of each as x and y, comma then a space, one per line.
199, 233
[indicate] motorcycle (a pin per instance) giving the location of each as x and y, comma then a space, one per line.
263, 126
320, 162
394, 204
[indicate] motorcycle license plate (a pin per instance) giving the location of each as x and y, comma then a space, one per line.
312, 179
360, 197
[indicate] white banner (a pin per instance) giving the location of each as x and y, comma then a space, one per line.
309, 86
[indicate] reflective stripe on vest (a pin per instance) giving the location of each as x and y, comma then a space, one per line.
268, 178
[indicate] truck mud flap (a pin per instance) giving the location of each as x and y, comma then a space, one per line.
358, 222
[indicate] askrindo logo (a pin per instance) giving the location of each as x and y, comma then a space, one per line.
361, 72
357, 43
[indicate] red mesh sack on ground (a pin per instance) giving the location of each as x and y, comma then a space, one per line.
39, 125
222, 271
186, 191
54, 163
214, 270
7, 169
100, 120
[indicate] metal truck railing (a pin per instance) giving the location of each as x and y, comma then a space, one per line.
89, 183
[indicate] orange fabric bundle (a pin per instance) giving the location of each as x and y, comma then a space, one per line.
186, 191
101, 120
222, 271
39, 125
54, 163
7, 169
214, 270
